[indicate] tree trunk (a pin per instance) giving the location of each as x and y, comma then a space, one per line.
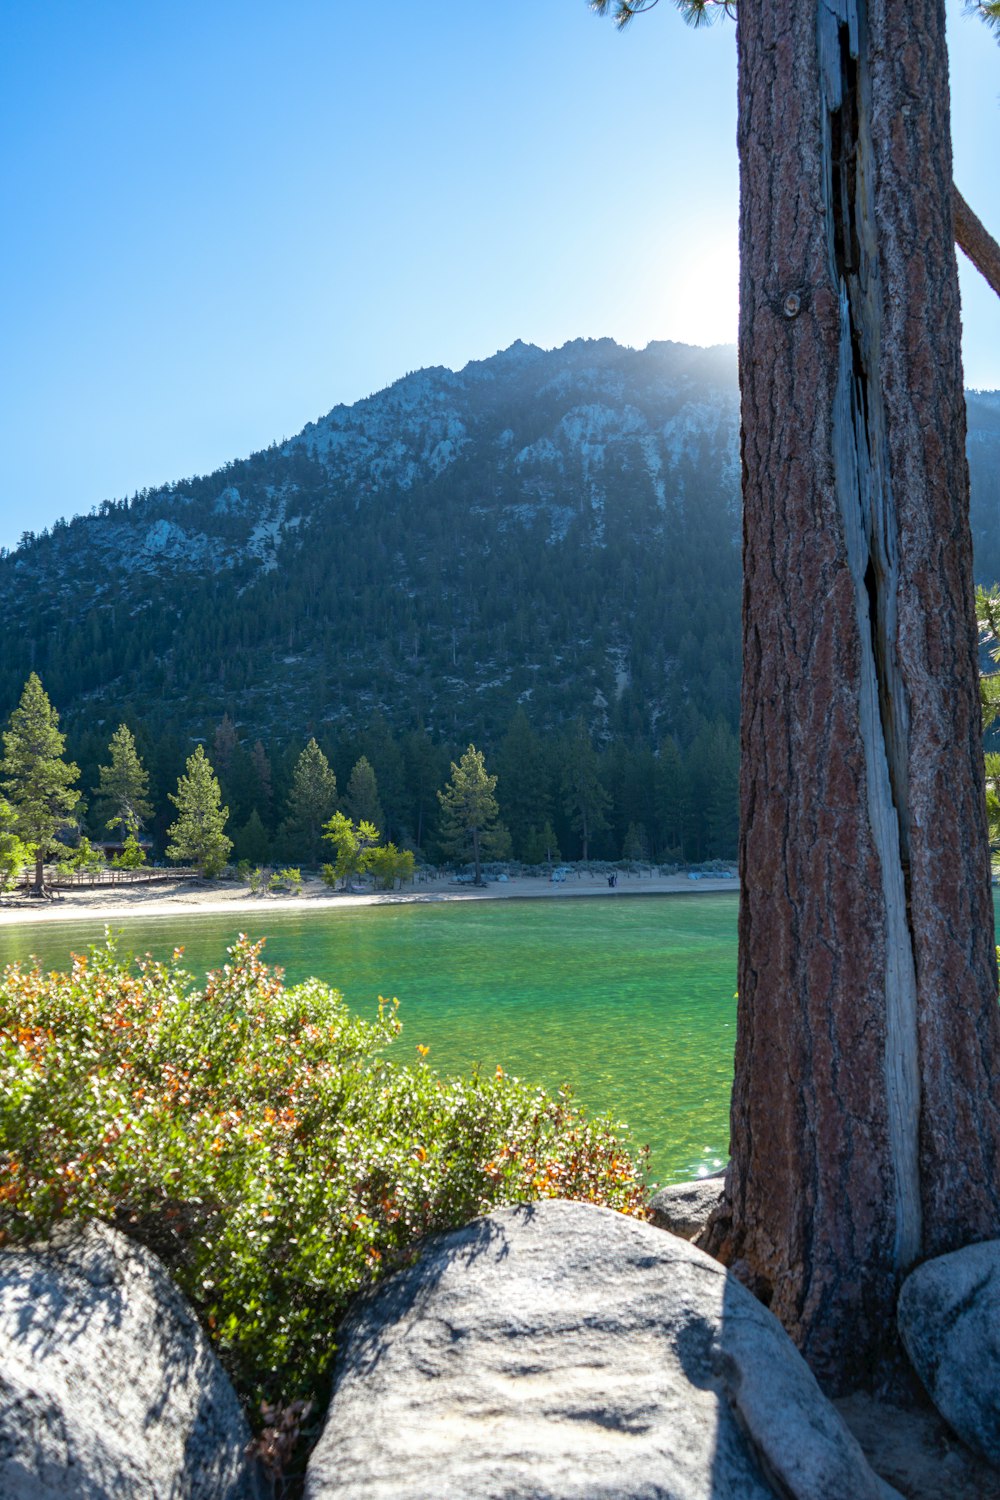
865, 1118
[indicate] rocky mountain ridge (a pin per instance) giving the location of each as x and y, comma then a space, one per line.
558, 529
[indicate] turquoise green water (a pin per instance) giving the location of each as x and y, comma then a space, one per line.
629, 999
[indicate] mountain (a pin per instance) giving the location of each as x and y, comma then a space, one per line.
553, 529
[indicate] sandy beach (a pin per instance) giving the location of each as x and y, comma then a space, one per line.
210, 897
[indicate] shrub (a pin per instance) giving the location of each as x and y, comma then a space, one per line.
84, 857
132, 856
258, 1140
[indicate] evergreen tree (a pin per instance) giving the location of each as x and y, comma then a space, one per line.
362, 800
263, 789
37, 780
15, 854
585, 799
387, 864
993, 798
311, 802
865, 920
239, 783
425, 766
379, 748
251, 841
635, 846
224, 744
541, 845
132, 856
523, 774
673, 800
353, 843
198, 834
124, 786
712, 773
470, 813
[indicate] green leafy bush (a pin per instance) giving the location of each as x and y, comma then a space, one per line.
258, 1140
132, 856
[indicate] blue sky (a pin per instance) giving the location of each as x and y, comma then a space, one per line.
221, 219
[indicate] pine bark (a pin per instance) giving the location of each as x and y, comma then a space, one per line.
866, 1109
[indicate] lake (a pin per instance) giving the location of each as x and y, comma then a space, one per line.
629, 999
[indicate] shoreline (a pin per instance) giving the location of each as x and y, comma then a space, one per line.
191, 898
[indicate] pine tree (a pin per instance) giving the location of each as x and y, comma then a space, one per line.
362, 800
198, 834
251, 841
37, 780
586, 800
132, 856
14, 852
225, 743
263, 789
353, 843
311, 802
541, 845
124, 786
387, 864
470, 813
993, 798
523, 772
425, 765
866, 1096
673, 799
379, 748
635, 846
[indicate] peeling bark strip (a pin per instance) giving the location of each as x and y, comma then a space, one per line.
870, 526
865, 1117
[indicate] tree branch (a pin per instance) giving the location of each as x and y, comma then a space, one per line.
977, 242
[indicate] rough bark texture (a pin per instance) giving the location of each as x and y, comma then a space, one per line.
865, 1120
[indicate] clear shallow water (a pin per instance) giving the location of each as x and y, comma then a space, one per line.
629, 999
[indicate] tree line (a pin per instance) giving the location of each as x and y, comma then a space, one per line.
539, 798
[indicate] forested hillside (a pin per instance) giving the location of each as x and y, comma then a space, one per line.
493, 555
556, 529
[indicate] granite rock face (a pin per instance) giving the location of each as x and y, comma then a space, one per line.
108, 1388
685, 1207
949, 1321
564, 1351
913, 1448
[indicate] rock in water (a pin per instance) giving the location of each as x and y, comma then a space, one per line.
108, 1387
949, 1321
564, 1351
685, 1207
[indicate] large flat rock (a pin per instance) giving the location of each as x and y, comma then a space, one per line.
108, 1388
567, 1352
949, 1321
